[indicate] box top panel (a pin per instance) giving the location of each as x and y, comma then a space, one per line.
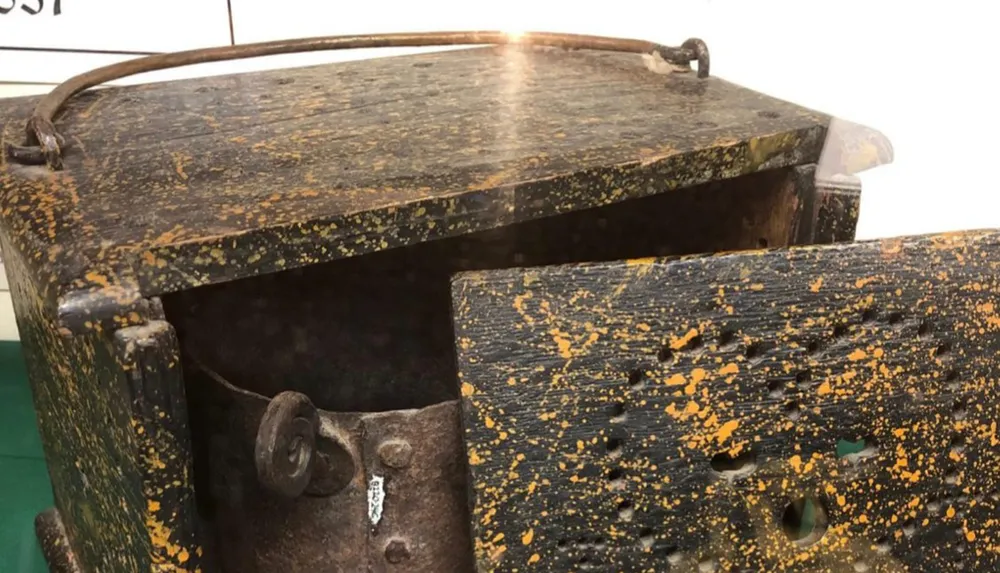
172, 185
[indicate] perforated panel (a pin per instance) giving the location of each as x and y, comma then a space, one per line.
815, 409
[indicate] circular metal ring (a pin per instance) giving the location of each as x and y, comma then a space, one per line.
285, 450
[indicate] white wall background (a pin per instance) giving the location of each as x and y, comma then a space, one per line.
921, 72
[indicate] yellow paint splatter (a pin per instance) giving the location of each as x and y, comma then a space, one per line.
641, 262
679, 343
562, 342
858, 354
860, 283
731, 368
527, 537
816, 285
727, 429
474, 458
676, 380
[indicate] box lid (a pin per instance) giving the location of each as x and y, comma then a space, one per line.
178, 184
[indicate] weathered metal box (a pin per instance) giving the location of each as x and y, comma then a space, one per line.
249, 350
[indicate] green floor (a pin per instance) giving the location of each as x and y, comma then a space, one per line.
24, 483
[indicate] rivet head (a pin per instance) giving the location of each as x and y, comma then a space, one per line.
396, 551
395, 453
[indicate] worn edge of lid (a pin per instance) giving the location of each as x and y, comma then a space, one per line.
117, 296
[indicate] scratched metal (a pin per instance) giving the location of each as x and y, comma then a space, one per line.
420, 523
652, 415
179, 184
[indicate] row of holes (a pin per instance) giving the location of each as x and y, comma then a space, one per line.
745, 464
755, 351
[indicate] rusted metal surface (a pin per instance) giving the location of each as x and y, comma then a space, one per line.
654, 414
284, 450
384, 491
44, 144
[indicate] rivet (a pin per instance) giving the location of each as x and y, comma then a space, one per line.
396, 551
395, 453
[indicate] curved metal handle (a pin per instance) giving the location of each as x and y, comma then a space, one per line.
44, 144
285, 450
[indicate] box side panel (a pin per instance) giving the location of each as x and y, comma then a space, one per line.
113, 458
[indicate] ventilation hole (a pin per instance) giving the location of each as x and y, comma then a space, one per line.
561, 545
909, 528
813, 347
803, 378
769, 114
673, 554
869, 315
755, 352
951, 478
707, 566
646, 539
952, 382
727, 340
882, 546
776, 389
615, 447
731, 467
839, 331
666, 354
599, 544
958, 445
616, 474
924, 329
855, 451
804, 521
792, 411
625, 511
423, 64
695, 343
942, 349
637, 379
958, 412
617, 413
895, 318
762, 243
860, 566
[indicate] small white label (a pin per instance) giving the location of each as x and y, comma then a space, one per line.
376, 499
